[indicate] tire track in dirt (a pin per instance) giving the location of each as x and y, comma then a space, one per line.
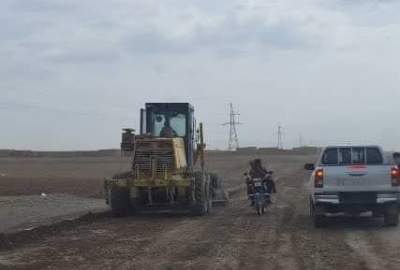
101, 245
359, 244
379, 253
313, 248
210, 243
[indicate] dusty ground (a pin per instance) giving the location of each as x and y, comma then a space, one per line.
81, 176
231, 238
31, 211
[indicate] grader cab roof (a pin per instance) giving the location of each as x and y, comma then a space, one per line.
169, 106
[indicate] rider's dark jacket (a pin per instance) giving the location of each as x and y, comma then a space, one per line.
260, 172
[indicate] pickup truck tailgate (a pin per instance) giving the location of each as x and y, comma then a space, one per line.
357, 178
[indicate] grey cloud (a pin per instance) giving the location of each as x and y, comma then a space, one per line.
229, 35
42, 6
91, 55
73, 33
151, 42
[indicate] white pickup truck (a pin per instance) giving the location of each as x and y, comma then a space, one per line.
353, 180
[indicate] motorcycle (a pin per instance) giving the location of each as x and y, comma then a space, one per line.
259, 193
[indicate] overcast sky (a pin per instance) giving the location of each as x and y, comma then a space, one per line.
73, 72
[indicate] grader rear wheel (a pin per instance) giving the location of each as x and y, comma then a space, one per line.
209, 194
201, 194
218, 196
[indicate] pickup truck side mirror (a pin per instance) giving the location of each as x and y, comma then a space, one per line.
309, 167
245, 174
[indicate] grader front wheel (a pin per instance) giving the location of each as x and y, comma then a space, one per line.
119, 201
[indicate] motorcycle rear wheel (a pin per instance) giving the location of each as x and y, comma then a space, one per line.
259, 211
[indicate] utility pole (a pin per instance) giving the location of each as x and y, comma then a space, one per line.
233, 142
280, 137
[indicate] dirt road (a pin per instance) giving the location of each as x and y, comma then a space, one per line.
231, 238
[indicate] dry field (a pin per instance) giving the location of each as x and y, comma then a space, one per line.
232, 237
81, 176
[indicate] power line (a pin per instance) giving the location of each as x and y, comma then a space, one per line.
233, 142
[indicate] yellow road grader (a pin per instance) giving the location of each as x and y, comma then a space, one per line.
168, 165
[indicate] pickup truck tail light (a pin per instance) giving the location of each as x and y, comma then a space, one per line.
319, 178
395, 172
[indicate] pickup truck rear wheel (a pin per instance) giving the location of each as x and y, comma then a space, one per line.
317, 215
311, 204
391, 215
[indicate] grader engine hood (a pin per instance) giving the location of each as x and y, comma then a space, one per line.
159, 158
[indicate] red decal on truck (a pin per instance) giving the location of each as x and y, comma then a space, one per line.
357, 167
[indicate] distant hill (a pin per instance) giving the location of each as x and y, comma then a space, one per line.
117, 153
307, 150
59, 154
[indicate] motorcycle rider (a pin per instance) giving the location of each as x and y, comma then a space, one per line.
258, 171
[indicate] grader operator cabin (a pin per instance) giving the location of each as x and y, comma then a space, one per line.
168, 167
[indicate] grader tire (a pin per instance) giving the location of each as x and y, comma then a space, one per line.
218, 195
215, 181
202, 200
119, 201
209, 194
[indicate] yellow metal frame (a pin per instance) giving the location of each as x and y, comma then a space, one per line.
167, 178
175, 180
176, 177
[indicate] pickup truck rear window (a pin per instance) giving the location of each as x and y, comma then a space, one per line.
358, 155
330, 157
352, 156
374, 156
